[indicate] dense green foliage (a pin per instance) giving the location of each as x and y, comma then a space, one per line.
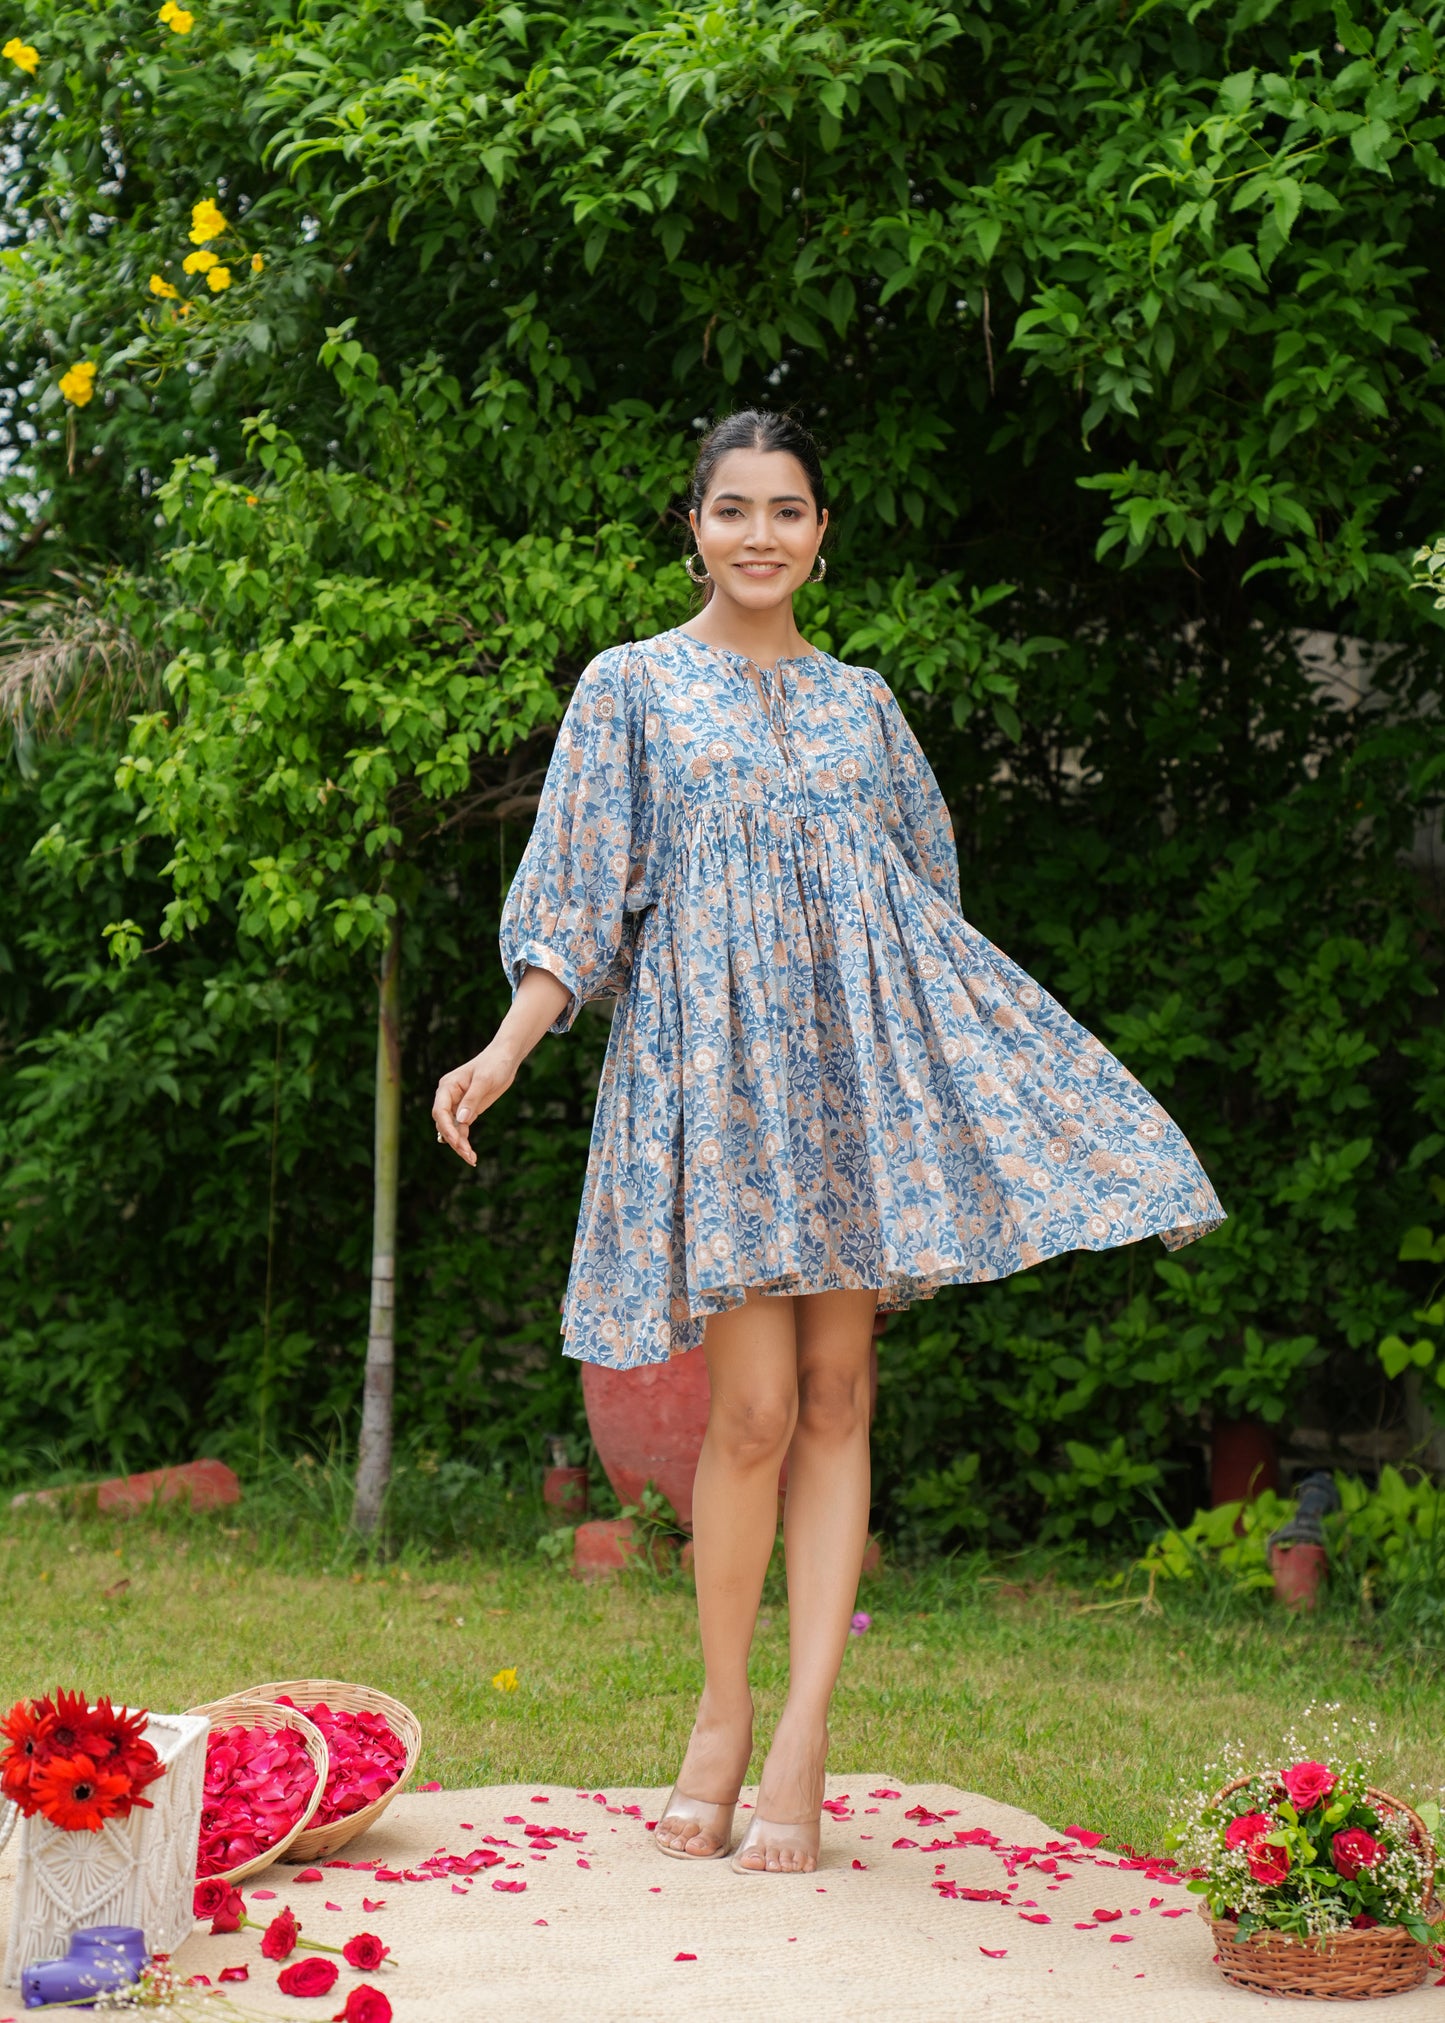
1123, 336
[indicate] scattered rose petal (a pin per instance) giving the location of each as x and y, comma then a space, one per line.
583, 1864
235, 1974
368, 1905
1036, 1917
264, 1896
859, 1864
1121, 1938
1082, 1835
1108, 1917
539, 1798
885, 1794
432, 1786
990, 1954
1182, 1912
539, 1921
458, 1891
331, 1906
308, 1875
513, 1887
684, 1956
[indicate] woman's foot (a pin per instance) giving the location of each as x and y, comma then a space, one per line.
698, 1821
784, 1832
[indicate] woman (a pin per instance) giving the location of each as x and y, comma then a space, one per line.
825, 1094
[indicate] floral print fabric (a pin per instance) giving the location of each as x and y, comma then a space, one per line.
820, 1075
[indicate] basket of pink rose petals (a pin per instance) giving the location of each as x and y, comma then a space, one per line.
267, 1768
373, 1743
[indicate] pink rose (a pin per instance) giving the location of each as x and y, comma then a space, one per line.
1245, 1830
1353, 1851
1308, 1785
308, 1977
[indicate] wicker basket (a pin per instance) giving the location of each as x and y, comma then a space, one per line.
243, 1710
350, 1699
1339, 1967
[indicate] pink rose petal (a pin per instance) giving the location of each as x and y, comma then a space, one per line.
989, 1954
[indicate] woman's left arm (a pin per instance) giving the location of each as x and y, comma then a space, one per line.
924, 827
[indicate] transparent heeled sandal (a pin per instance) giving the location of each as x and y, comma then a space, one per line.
803, 1837
715, 1821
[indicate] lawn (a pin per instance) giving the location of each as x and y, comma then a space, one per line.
972, 1675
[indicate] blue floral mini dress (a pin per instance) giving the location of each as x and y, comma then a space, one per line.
820, 1075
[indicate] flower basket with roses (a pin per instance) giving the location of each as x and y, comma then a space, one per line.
1316, 1882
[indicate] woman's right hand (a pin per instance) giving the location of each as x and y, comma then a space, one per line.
461, 1097
468, 1090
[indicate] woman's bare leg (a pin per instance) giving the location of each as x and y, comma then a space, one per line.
825, 1531
752, 1369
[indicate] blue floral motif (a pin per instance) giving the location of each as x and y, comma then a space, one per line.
820, 1075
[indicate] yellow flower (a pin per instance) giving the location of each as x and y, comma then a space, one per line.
197, 263
168, 10
505, 1681
78, 384
257, 263
181, 23
252, 500
160, 286
183, 309
21, 53
218, 278
206, 222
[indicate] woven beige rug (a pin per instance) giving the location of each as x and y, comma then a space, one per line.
582, 1920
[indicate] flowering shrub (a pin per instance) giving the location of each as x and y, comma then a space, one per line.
1301, 1847
75, 1764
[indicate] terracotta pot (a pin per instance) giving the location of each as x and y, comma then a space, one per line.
1243, 1460
648, 1425
564, 1490
1299, 1572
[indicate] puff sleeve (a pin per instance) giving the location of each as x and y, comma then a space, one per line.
568, 908
919, 820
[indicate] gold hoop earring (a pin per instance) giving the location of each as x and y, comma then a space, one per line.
820, 569
687, 562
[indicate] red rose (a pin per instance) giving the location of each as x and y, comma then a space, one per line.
365, 1952
1353, 1851
211, 1895
280, 1936
1363, 1922
1308, 1785
308, 1977
1247, 1829
364, 2005
232, 1914
1267, 1864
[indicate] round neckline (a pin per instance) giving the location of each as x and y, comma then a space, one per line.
743, 659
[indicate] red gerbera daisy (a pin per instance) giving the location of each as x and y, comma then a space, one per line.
73, 1794
22, 1734
125, 1748
67, 1727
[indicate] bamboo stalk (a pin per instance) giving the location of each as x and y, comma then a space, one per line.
373, 1466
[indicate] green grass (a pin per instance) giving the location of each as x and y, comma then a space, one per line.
974, 1676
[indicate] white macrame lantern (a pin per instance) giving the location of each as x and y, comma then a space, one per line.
140, 1870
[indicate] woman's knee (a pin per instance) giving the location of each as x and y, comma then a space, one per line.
753, 1426
832, 1403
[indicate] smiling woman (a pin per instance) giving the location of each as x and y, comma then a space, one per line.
825, 1093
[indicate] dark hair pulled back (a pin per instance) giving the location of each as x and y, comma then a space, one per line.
753, 428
